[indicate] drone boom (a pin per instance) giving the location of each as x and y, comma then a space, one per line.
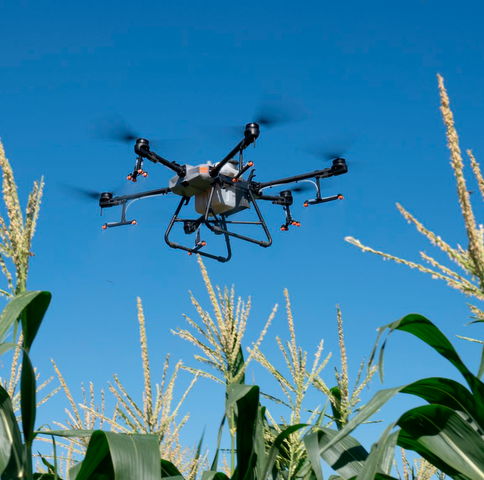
339, 167
142, 149
251, 133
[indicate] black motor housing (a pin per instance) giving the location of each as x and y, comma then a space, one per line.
252, 131
339, 164
104, 199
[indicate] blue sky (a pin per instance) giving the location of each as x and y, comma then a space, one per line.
364, 74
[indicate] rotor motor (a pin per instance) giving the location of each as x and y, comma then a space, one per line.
340, 164
251, 131
141, 144
105, 198
287, 197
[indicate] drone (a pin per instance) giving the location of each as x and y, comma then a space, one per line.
220, 191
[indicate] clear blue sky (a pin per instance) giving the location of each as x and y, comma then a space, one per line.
365, 75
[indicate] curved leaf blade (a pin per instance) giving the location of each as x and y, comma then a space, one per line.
381, 455
12, 311
444, 433
446, 392
123, 456
426, 331
28, 398
343, 454
11, 448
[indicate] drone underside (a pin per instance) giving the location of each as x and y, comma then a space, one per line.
220, 192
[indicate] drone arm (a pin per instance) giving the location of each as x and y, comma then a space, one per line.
276, 199
109, 201
214, 171
339, 167
251, 133
142, 148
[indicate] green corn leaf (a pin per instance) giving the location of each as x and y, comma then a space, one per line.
219, 439
211, 475
28, 398
381, 455
480, 372
74, 470
429, 389
407, 441
96, 461
449, 393
375, 403
169, 471
448, 436
32, 317
388, 453
336, 408
311, 441
124, 457
259, 443
11, 448
343, 454
276, 448
424, 329
50, 468
238, 365
5, 347
11, 313
246, 400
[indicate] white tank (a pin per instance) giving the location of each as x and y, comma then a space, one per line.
224, 198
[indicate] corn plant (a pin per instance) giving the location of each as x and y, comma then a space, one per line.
448, 432
156, 415
470, 260
293, 458
219, 340
16, 231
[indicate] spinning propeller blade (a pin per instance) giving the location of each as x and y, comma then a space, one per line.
274, 113
327, 154
115, 129
333, 148
83, 193
270, 113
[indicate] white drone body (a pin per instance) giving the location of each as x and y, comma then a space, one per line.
198, 182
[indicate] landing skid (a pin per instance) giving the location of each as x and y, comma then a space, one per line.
218, 225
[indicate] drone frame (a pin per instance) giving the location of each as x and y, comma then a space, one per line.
217, 223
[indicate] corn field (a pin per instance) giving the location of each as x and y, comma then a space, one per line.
141, 436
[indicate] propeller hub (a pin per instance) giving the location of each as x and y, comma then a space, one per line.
287, 197
105, 198
141, 144
251, 131
340, 164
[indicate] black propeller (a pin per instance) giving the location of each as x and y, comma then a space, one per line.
274, 111
269, 114
334, 147
327, 154
116, 129
80, 192
83, 193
